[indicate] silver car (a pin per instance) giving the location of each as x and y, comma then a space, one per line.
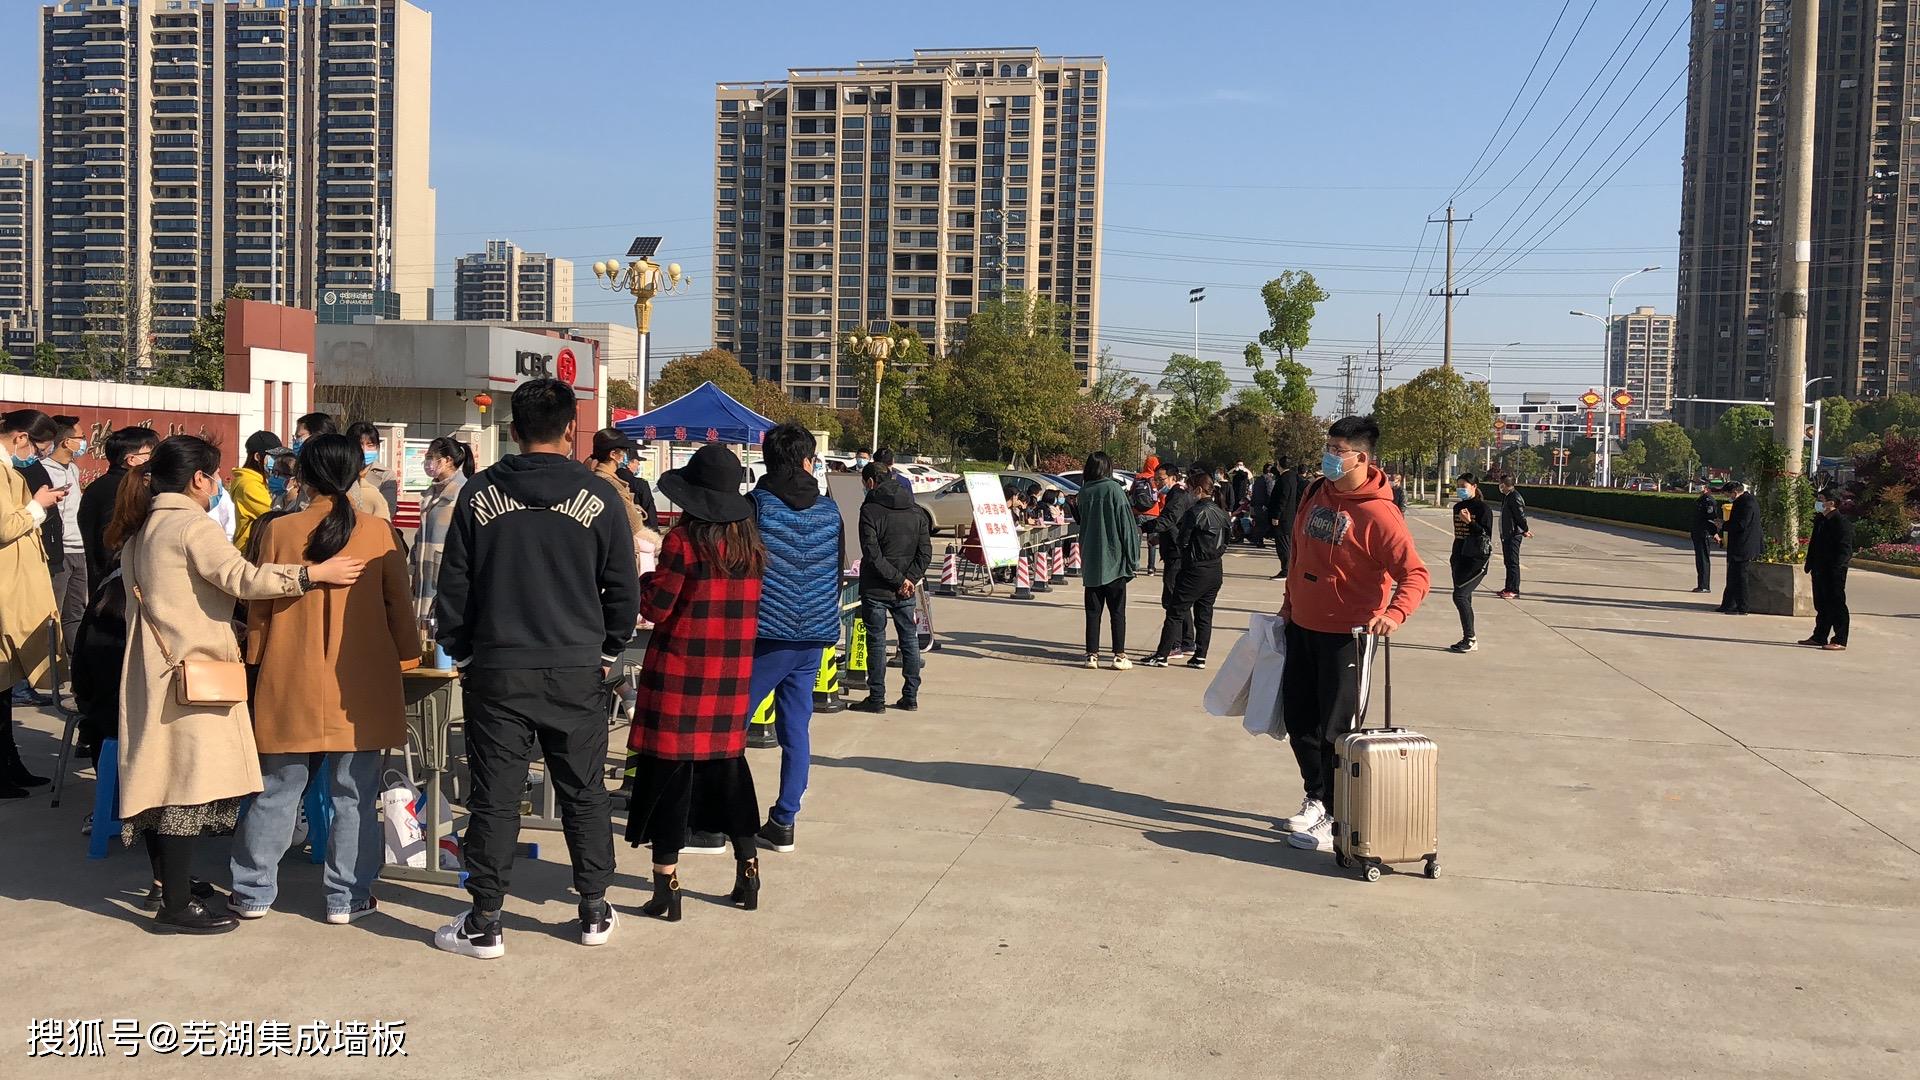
952, 510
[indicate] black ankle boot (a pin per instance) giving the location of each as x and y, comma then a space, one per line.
194, 918
666, 897
746, 884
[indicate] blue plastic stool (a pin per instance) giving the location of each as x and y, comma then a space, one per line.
106, 800
318, 802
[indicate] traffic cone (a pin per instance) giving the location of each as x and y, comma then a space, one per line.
949, 574
760, 729
1060, 559
1022, 579
1073, 557
1042, 570
826, 689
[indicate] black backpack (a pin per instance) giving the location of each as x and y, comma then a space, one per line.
1143, 497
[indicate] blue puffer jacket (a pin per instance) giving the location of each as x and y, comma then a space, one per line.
800, 590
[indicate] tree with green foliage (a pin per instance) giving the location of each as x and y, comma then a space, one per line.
1438, 411
1738, 434
1199, 389
1291, 301
1235, 433
46, 360
1298, 438
1285, 387
1837, 415
1669, 453
1011, 384
204, 367
1132, 408
683, 375
621, 394
7, 366
1900, 411
1526, 463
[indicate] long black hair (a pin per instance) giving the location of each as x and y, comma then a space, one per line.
170, 471
453, 450
330, 465
1099, 466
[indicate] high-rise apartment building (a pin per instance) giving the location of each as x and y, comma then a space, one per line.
19, 254
903, 192
505, 284
1640, 359
1866, 199
193, 145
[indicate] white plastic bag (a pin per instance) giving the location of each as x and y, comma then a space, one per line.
1269, 637
1227, 694
406, 843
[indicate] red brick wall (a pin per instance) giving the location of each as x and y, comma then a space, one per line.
97, 423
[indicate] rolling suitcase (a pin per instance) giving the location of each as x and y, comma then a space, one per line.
1386, 785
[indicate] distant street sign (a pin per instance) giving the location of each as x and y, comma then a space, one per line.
1591, 399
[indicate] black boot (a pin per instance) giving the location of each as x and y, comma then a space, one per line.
746, 884
13, 771
194, 918
666, 897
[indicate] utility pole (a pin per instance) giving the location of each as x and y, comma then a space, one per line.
1446, 348
1349, 366
1796, 206
1379, 360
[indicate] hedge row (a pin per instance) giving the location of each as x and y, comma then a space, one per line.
1659, 509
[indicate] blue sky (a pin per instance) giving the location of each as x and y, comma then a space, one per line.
1243, 139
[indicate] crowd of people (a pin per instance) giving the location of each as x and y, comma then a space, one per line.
240, 636
240, 639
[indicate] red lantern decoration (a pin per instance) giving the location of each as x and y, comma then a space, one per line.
484, 401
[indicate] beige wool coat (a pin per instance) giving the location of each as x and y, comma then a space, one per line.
188, 575
330, 660
26, 586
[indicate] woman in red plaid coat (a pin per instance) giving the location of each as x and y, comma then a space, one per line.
690, 721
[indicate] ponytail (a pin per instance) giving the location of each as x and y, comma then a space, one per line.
170, 471
455, 451
330, 465
131, 505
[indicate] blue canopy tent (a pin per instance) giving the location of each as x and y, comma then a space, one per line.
704, 414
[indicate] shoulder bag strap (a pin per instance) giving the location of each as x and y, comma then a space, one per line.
126, 571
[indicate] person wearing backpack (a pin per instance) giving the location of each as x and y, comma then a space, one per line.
1201, 539
1144, 497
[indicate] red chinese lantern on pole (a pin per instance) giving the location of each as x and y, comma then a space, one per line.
484, 401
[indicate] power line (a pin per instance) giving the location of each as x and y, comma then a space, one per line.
1472, 175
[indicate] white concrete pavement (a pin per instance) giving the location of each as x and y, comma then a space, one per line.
1674, 845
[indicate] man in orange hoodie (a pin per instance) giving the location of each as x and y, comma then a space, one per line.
1354, 565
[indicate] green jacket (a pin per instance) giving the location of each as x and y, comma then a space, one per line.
1109, 535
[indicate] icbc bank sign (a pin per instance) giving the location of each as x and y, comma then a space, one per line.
530, 364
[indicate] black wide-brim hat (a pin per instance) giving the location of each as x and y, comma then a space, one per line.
708, 486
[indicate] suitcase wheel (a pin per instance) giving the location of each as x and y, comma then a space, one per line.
1372, 872
1433, 867
1342, 861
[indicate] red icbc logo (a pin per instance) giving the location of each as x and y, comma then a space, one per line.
565, 367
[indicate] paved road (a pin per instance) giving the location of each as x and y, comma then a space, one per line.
1675, 845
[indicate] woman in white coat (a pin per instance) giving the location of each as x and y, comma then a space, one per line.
185, 768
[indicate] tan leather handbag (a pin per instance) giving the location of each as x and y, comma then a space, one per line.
213, 683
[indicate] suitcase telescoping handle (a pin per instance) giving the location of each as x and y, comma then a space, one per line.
1364, 645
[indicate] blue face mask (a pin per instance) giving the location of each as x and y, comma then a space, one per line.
277, 485
21, 463
219, 496
368, 457
1333, 465
1465, 494
297, 444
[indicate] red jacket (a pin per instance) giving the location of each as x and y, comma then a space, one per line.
1350, 548
693, 686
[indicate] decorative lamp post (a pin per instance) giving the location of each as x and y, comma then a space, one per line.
645, 279
865, 344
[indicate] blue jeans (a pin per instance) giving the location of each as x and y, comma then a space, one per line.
875, 610
266, 829
788, 671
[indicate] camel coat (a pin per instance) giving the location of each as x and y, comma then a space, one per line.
605, 471
26, 585
188, 575
330, 661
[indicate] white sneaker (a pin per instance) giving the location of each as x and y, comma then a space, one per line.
1318, 838
597, 927
1312, 812
1464, 645
354, 914
486, 943
1121, 663
1093, 661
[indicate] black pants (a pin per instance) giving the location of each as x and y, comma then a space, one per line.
1703, 562
1192, 613
1112, 598
1169, 591
172, 859
1735, 598
1510, 555
1830, 606
1319, 697
1467, 576
1283, 542
513, 715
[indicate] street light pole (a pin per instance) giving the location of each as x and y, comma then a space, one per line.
1497, 350
645, 279
1814, 467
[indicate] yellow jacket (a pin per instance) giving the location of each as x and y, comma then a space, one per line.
251, 499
